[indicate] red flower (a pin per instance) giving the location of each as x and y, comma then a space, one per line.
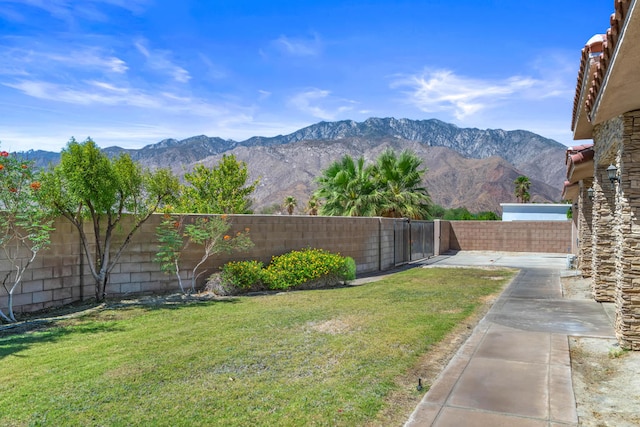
13, 189
1, 167
35, 185
4, 153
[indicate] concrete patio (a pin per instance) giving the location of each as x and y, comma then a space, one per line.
514, 370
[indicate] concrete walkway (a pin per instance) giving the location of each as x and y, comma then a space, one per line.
514, 370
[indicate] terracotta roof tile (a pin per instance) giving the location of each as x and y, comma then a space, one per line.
610, 39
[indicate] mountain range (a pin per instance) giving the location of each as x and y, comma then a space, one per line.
467, 167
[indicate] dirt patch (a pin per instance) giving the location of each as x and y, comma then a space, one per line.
575, 287
335, 326
606, 382
606, 378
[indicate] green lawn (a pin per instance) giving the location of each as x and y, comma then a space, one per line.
325, 357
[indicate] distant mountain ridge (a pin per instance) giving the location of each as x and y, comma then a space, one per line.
523, 152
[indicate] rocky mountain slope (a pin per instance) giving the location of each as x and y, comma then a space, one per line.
452, 179
474, 168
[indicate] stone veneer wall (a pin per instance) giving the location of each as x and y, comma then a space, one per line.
584, 211
511, 236
608, 137
627, 232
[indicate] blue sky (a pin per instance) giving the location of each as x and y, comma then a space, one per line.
134, 72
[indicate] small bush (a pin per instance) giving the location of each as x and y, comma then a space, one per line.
349, 269
242, 274
297, 268
306, 269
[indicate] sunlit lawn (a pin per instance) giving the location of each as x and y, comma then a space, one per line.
326, 357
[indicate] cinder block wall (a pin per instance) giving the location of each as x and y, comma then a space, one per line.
511, 236
60, 275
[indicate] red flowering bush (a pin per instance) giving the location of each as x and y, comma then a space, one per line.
25, 222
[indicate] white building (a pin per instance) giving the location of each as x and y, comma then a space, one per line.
535, 211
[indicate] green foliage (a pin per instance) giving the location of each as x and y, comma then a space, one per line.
313, 205
87, 184
290, 204
458, 214
399, 178
219, 190
348, 189
521, 191
170, 237
243, 275
299, 267
461, 214
487, 216
349, 269
392, 187
25, 222
296, 269
210, 232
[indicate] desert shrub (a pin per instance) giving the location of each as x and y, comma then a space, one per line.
349, 269
243, 275
298, 268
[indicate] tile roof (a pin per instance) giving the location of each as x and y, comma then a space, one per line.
579, 161
595, 60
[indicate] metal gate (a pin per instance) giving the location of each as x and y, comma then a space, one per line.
413, 240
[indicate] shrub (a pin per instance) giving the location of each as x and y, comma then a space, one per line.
349, 269
298, 268
243, 275
175, 235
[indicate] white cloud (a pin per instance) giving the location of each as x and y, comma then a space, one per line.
96, 92
264, 94
212, 69
319, 103
442, 90
158, 60
34, 58
71, 11
299, 46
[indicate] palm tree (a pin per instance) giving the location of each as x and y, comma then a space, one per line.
400, 181
348, 188
522, 185
313, 205
290, 203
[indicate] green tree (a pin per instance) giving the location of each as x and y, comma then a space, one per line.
457, 214
313, 205
487, 216
88, 185
399, 178
348, 188
521, 191
25, 223
211, 233
219, 190
290, 204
